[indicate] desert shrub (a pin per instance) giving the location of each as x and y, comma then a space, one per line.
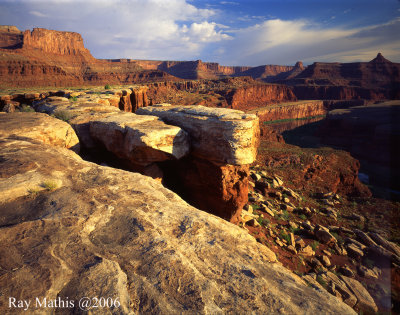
285, 215
263, 222
63, 115
285, 237
49, 185
107, 87
314, 245
73, 99
26, 108
33, 192
321, 281
302, 216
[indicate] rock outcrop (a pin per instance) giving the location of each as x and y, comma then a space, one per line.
141, 141
224, 143
109, 233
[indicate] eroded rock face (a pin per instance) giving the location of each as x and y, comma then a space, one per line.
217, 134
40, 127
103, 231
215, 188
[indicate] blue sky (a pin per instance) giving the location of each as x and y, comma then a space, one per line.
237, 32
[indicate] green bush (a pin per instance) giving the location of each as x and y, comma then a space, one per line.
73, 99
302, 216
107, 87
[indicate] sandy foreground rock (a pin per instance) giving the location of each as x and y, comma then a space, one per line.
98, 231
39, 126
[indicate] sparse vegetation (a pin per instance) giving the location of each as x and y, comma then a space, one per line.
314, 245
49, 185
321, 281
303, 217
285, 237
263, 222
33, 192
63, 115
26, 108
73, 99
107, 87
285, 215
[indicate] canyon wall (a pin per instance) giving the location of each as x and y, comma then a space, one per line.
44, 57
264, 72
241, 93
191, 69
293, 110
254, 96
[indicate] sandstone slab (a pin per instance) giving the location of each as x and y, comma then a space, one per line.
39, 127
217, 134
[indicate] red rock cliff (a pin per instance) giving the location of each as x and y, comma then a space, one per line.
257, 95
55, 42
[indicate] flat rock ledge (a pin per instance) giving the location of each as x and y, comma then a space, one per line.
99, 231
221, 135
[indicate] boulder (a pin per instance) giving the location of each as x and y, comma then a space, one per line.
340, 286
365, 302
39, 127
217, 134
108, 232
323, 235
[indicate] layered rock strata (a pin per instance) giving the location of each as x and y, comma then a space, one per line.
224, 143
292, 110
102, 231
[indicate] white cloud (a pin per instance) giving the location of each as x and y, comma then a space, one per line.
285, 42
38, 14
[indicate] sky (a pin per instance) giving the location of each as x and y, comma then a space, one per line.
237, 32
